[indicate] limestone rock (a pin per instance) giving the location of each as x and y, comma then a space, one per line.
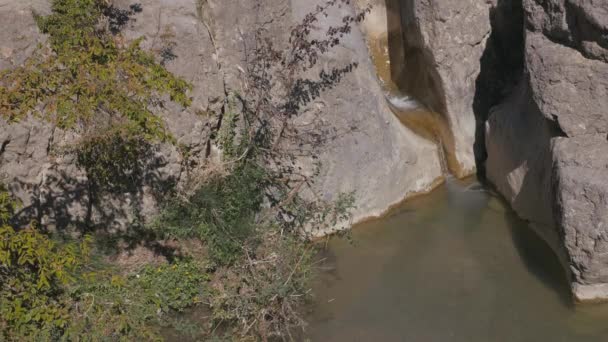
381, 160
546, 143
53, 190
581, 177
207, 43
445, 41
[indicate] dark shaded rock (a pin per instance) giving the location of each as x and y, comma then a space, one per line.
547, 144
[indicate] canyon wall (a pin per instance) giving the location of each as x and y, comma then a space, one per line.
523, 86
372, 154
547, 143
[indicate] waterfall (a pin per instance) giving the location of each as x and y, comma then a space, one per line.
394, 69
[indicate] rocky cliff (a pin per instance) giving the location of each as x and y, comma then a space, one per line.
514, 88
547, 143
522, 85
379, 159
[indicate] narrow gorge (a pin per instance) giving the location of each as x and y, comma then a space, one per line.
377, 114
505, 78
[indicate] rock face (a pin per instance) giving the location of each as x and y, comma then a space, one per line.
379, 158
547, 142
53, 190
444, 41
382, 160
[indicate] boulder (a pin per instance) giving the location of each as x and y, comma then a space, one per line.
546, 143
381, 160
581, 180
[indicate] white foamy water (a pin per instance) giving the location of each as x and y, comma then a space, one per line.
404, 102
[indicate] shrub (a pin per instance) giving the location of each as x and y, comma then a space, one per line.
89, 80
90, 77
107, 306
172, 287
263, 295
33, 273
222, 212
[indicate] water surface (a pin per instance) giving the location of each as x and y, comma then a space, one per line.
455, 265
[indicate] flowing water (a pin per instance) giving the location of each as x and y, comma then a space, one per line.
455, 265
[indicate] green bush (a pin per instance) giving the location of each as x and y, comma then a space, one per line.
34, 271
221, 213
133, 307
89, 77
172, 287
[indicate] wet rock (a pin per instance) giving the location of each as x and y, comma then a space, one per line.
581, 179
445, 41
381, 160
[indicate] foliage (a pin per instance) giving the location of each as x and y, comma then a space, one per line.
133, 307
90, 78
45, 294
8, 205
278, 91
173, 287
222, 212
33, 273
233, 132
261, 291
262, 296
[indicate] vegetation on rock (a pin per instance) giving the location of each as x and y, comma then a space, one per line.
252, 267
89, 79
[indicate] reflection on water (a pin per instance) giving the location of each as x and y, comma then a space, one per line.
455, 265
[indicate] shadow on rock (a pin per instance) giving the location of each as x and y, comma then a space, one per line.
502, 66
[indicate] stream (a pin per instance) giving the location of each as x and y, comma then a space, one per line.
455, 265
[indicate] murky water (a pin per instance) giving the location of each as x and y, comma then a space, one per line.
455, 265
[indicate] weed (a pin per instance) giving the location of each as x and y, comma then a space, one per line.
221, 213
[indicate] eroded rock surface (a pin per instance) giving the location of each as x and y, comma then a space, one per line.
206, 42
546, 143
444, 42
